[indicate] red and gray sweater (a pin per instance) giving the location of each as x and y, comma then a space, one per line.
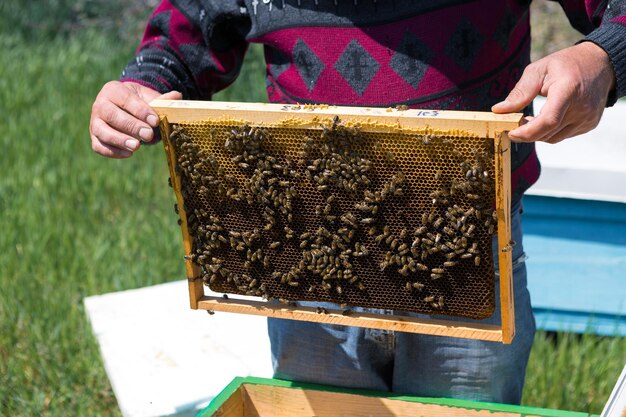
444, 54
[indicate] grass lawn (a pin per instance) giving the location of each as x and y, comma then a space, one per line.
74, 224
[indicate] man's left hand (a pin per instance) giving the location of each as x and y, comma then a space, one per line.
576, 82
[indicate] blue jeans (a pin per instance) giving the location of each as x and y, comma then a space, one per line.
423, 365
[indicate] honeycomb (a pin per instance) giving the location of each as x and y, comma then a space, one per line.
395, 221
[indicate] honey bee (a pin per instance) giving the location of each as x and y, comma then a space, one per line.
420, 230
421, 267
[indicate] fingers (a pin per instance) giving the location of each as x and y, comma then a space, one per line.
112, 137
126, 123
524, 92
109, 151
121, 118
172, 95
133, 99
565, 133
549, 121
576, 82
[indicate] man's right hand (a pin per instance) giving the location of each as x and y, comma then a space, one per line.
121, 118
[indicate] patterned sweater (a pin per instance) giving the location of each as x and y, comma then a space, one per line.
444, 54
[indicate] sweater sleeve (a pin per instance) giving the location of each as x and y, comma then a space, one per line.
192, 46
604, 23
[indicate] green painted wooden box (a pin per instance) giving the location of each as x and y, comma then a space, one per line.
259, 397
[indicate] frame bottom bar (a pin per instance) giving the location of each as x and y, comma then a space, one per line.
398, 323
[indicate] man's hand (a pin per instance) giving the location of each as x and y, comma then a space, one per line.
576, 82
121, 118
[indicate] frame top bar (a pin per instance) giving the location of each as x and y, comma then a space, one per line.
482, 124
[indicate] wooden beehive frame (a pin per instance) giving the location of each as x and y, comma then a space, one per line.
482, 124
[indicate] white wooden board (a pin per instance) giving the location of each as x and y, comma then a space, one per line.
590, 166
164, 359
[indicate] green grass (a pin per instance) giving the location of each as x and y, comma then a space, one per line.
74, 224
573, 372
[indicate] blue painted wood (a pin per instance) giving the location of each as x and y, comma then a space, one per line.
580, 322
586, 220
576, 264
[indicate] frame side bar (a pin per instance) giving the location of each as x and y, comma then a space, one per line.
196, 289
505, 252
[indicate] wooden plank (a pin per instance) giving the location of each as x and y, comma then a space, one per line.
233, 406
374, 321
285, 402
482, 124
249, 404
260, 391
505, 252
196, 289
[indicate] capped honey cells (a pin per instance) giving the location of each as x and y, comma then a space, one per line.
396, 221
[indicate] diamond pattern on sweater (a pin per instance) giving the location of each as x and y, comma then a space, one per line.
197, 57
411, 59
464, 44
308, 64
357, 66
502, 34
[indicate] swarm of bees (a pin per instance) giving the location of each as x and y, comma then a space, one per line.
338, 217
